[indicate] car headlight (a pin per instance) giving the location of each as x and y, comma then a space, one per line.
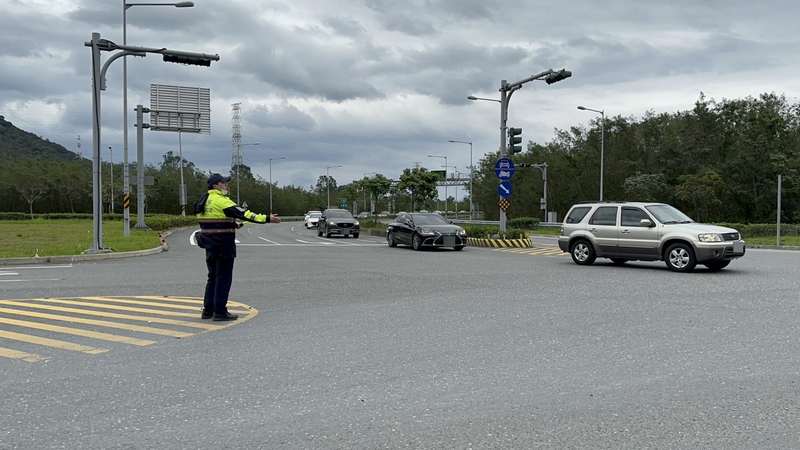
355, 223
425, 232
462, 232
709, 237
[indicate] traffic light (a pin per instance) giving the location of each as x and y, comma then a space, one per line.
513, 140
558, 76
190, 60
524, 165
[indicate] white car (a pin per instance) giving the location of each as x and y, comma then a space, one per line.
312, 219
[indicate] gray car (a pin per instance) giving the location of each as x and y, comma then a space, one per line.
626, 231
338, 221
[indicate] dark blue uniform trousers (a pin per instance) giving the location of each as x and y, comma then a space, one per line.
218, 286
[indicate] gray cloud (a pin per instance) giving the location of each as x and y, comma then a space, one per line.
377, 85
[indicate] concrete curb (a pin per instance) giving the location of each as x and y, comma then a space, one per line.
75, 258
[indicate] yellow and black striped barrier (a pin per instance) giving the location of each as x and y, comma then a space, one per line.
500, 242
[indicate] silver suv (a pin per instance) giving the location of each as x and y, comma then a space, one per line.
625, 231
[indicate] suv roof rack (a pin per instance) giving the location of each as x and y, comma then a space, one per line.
604, 201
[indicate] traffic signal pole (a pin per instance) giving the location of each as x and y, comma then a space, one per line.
99, 84
550, 76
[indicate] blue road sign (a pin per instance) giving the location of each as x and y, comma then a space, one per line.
504, 189
504, 168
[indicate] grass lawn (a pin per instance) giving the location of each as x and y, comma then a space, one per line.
22, 238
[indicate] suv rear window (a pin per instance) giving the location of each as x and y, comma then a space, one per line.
605, 215
577, 214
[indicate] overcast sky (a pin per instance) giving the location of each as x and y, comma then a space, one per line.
376, 86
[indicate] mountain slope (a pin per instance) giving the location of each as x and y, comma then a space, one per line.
16, 144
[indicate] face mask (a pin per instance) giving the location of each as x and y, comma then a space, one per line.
224, 192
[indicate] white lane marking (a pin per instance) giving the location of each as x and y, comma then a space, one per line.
267, 240
316, 243
43, 279
60, 266
9, 273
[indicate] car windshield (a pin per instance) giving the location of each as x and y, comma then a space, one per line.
668, 215
314, 214
429, 219
340, 214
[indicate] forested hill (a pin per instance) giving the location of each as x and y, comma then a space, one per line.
16, 143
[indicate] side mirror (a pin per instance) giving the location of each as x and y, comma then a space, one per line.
646, 223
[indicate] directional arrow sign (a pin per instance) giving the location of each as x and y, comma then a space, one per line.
504, 189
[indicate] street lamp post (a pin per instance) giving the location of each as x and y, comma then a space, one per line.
112, 178
602, 113
370, 194
238, 164
471, 169
445, 179
328, 182
126, 186
270, 182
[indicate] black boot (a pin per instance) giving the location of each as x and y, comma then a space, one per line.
224, 316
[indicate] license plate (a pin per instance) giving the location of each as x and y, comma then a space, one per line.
738, 247
449, 241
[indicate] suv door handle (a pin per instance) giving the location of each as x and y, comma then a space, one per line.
625, 231
592, 230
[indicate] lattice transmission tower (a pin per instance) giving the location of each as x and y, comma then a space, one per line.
236, 134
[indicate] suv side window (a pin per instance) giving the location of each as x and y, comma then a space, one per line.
605, 215
577, 214
632, 217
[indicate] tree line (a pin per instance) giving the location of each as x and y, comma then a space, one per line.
718, 162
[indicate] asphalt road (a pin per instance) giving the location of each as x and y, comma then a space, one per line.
351, 344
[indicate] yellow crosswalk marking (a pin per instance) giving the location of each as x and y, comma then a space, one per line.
159, 312
192, 300
109, 312
14, 354
205, 326
77, 332
102, 323
51, 342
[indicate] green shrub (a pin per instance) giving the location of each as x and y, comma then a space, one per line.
526, 223
485, 231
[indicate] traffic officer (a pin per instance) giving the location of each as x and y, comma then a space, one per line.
217, 216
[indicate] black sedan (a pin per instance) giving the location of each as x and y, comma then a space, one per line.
338, 221
425, 230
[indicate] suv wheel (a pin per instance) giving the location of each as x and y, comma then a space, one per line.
680, 258
582, 252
